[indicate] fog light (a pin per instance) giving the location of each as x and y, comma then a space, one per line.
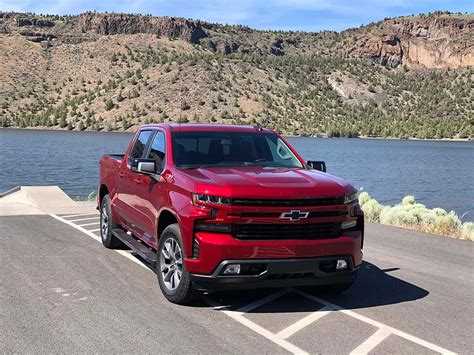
348, 224
341, 265
232, 269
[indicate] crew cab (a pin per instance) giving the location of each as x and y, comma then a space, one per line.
213, 207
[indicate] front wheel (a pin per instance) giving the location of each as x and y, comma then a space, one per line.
173, 278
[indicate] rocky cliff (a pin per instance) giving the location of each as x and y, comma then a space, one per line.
112, 24
435, 41
415, 42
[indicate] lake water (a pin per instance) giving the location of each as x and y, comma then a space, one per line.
437, 173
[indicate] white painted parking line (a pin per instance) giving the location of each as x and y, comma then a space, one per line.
80, 215
374, 340
377, 324
83, 230
82, 219
237, 316
280, 338
125, 253
88, 224
303, 323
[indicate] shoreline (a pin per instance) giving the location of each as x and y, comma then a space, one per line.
285, 135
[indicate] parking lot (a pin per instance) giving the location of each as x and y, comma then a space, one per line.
62, 291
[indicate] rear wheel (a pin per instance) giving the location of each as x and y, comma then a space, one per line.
107, 223
173, 278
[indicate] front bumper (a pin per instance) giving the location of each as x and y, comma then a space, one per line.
279, 273
216, 248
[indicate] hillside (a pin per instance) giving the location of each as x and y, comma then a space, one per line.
403, 77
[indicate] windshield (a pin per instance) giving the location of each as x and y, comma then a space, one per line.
208, 149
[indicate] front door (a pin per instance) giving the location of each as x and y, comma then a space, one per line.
127, 186
149, 190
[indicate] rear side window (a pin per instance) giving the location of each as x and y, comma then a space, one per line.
140, 144
157, 149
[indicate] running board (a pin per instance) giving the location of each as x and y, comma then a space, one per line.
138, 248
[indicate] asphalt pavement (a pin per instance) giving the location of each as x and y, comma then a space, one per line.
62, 291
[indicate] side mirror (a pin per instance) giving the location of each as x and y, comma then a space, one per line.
144, 166
318, 165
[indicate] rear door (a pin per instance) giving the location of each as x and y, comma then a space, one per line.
127, 181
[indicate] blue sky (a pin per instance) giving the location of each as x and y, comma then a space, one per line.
305, 15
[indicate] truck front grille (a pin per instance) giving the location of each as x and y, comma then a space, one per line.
329, 201
287, 231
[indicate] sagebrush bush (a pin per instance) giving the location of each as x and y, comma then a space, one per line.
467, 231
364, 197
398, 216
415, 215
371, 207
408, 200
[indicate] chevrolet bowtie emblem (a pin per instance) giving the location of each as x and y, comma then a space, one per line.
294, 215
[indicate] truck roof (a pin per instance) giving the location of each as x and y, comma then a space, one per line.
187, 127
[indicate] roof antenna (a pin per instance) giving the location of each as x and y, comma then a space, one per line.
258, 127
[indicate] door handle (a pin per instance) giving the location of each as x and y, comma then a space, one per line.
137, 181
121, 175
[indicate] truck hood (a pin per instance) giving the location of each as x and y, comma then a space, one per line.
266, 182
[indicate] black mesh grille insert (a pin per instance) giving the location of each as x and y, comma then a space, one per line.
289, 202
287, 231
314, 214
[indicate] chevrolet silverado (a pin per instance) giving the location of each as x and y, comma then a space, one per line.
213, 207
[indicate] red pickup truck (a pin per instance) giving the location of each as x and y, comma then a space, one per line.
217, 206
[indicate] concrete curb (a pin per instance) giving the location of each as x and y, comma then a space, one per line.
40, 200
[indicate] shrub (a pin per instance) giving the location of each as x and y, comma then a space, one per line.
372, 210
408, 200
467, 231
92, 196
398, 216
415, 215
363, 198
185, 106
448, 224
109, 105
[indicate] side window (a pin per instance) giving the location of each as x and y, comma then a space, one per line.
157, 150
140, 145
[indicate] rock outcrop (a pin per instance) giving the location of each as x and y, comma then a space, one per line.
37, 36
112, 24
439, 40
416, 42
25, 21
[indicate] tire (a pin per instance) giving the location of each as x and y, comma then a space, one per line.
340, 287
107, 223
173, 278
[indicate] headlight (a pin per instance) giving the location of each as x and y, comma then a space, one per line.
200, 200
350, 198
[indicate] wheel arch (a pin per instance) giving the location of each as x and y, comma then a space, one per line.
103, 191
165, 218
